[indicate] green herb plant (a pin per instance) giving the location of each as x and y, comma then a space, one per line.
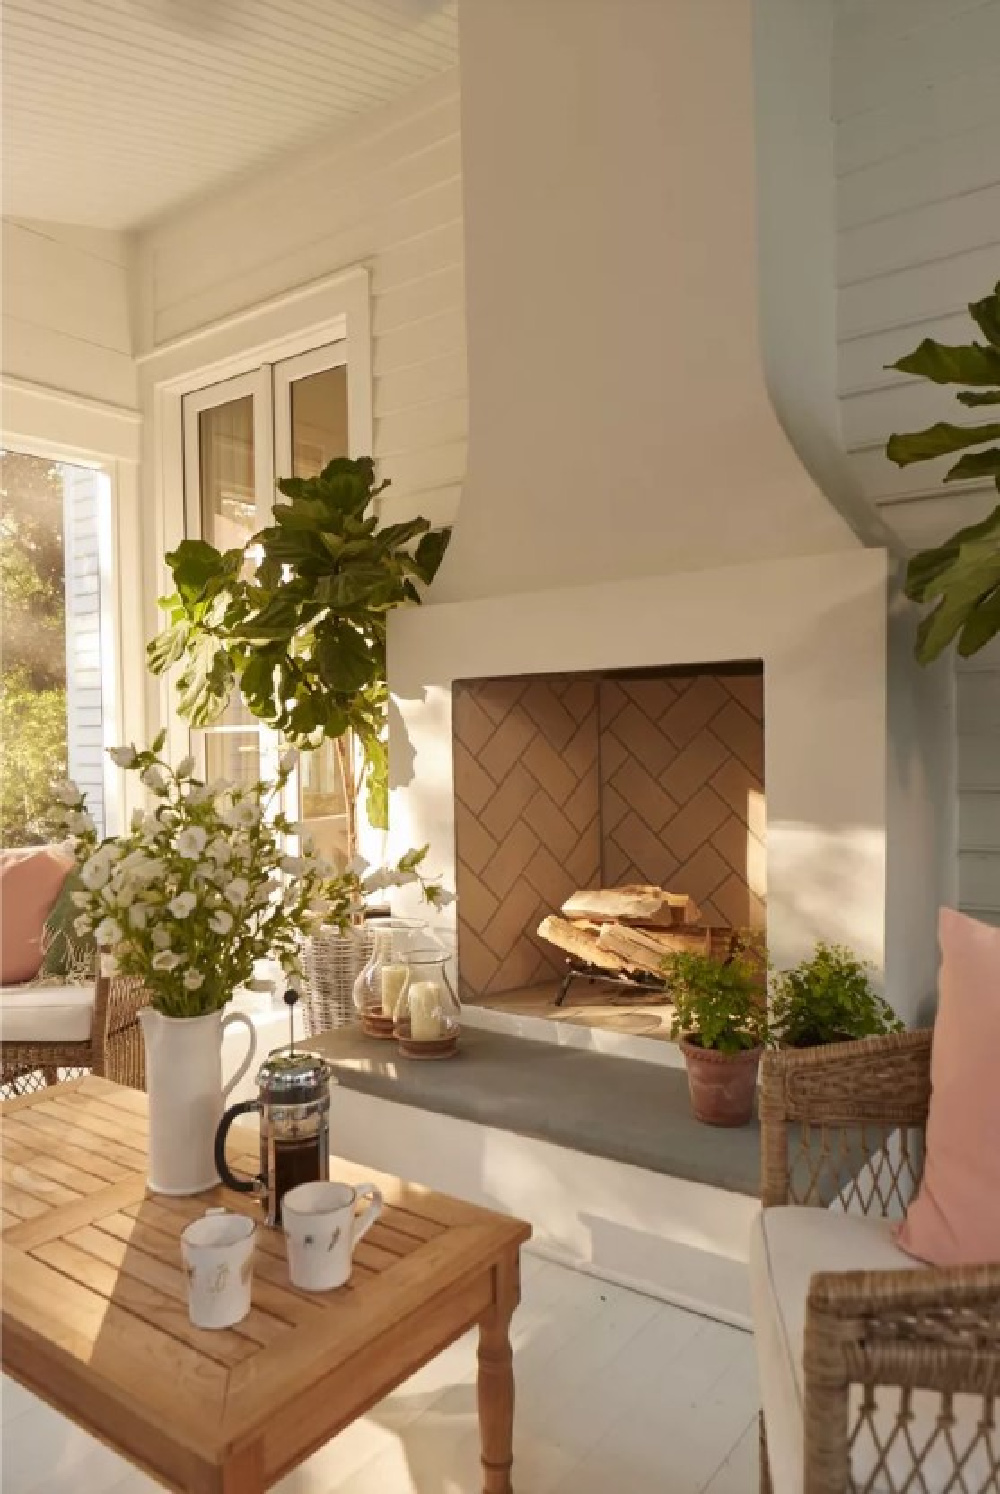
828, 999
719, 1004
961, 577
303, 635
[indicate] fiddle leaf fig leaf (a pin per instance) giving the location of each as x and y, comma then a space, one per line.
430, 552
962, 576
972, 363
938, 440
986, 315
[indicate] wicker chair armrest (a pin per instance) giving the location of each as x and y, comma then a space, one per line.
898, 1331
869, 1088
117, 1002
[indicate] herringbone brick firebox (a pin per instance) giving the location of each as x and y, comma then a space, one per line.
565, 782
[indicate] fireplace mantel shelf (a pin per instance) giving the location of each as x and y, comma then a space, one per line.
629, 1112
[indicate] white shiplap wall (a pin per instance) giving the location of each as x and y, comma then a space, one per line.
66, 310
916, 94
385, 193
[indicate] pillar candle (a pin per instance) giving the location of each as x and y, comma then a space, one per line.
425, 1002
393, 983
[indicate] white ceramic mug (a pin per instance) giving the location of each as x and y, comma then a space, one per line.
217, 1250
322, 1229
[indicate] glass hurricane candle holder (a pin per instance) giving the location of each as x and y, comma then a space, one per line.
429, 1014
382, 982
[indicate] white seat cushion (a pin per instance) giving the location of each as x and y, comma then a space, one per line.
46, 1014
788, 1247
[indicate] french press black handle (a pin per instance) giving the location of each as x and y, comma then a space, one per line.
230, 1178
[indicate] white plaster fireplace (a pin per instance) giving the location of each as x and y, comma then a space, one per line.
632, 501
819, 626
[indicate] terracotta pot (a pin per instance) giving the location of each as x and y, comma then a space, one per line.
722, 1085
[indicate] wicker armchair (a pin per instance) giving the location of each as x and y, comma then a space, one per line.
900, 1368
113, 1049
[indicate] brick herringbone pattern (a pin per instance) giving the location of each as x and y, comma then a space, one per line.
527, 831
682, 789
565, 782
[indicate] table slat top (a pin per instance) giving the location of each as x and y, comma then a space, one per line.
93, 1281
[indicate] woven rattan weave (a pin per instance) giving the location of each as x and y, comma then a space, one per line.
846, 1123
114, 1049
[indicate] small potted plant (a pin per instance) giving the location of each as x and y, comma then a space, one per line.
720, 1017
828, 998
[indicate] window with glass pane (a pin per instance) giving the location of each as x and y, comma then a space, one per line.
53, 520
319, 433
228, 507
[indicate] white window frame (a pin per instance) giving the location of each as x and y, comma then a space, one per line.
333, 310
288, 371
70, 428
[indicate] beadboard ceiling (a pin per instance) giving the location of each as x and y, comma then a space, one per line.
116, 111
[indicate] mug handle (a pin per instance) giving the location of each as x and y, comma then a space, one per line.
227, 1021
364, 1221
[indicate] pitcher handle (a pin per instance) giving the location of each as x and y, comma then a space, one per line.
227, 1021
364, 1221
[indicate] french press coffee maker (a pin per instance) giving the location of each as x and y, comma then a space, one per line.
294, 1107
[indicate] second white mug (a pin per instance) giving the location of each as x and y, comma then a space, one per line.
322, 1229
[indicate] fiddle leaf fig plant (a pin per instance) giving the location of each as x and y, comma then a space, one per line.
303, 635
961, 577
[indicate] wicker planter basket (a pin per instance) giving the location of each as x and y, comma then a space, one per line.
333, 963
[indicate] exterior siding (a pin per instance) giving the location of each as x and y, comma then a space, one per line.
385, 193
84, 692
916, 94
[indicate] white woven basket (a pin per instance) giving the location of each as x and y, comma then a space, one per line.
333, 963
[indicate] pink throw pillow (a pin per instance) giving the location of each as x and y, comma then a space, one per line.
955, 1218
31, 879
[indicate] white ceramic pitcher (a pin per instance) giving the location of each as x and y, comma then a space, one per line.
184, 1083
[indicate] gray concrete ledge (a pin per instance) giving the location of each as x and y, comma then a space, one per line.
629, 1112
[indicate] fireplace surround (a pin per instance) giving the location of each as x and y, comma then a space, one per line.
817, 624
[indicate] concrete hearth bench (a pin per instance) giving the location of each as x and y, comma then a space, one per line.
616, 1108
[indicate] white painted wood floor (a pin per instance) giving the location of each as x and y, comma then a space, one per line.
615, 1392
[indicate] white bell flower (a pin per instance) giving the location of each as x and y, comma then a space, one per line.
81, 926
221, 921
185, 767
193, 979
138, 915
78, 822
357, 866
66, 792
288, 759
123, 757
183, 904
167, 960
191, 842
236, 891
96, 872
160, 938
80, 899
295, 866
220, 851
108, 932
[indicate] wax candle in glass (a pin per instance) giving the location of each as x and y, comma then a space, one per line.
429, 1016
381, 984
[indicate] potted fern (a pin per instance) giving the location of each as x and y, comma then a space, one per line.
828, 998
720, 1019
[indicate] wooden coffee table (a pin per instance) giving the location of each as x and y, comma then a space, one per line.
95, 1311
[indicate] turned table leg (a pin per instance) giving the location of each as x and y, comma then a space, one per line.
496, 1380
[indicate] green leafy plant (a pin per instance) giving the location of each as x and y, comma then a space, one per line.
303, 637
828, 999
720, 1004
962, 576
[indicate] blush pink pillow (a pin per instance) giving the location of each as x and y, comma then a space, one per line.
955, 1218
31, 880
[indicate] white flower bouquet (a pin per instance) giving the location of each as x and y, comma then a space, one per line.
203, 886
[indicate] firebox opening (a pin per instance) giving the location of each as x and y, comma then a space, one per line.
572, 782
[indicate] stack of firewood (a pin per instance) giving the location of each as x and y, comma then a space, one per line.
629, 930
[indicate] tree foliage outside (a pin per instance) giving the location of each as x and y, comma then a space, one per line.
33, 745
